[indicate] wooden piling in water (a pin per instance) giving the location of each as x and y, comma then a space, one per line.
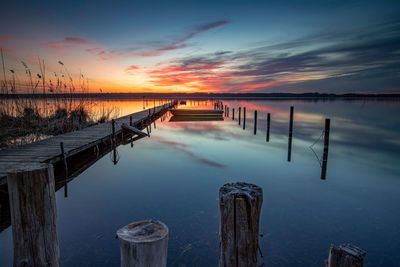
345, 256
143, 244
240, 111
130, 120
233, 114
113, 131
255, 122
268, 125
240, 207
289, 158
244, 118
31, 190
64, 159
326, 147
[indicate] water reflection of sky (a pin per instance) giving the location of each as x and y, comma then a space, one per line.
174, 176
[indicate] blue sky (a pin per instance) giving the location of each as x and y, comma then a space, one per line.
209, 46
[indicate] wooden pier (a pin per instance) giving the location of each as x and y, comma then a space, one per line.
48, 150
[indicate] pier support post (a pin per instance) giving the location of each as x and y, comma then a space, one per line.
113, 131
143, 244
326, 147
233, 114
345, 256
268, 125
289, 157
31, 190
64, 159
255, 122
130, 120
240, 206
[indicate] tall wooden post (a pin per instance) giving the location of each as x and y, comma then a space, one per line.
233, 114
289, 157
255, 122
268, 125
130, 120
143, 244
326, 147
31, 190
225, 111
345, 256
244, 118
240, 207
240, 111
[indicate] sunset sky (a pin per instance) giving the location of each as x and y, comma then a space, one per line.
206, 46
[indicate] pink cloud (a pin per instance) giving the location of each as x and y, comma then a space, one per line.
4, 39
67, 42
131, 69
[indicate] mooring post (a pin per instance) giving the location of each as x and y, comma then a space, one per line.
233, 114
240, 110
255, 122
225, 111
143, 244
64, 159
345, 256
130, 120
240, 207
113, 131
326, 147
244, 118
228, 112
31, 190
289, 157
268, 125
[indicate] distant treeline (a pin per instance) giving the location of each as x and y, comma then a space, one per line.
201, 95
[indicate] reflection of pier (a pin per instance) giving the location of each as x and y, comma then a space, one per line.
32, 183
48, 150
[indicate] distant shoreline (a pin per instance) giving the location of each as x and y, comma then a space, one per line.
247, 96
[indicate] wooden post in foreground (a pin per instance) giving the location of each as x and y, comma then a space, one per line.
345, 256
240, 206
233, 114
31, 190
143, 244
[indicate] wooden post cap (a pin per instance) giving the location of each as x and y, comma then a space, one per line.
240, 189
28, 167
143, 231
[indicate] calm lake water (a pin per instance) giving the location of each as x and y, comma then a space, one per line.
174, 176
